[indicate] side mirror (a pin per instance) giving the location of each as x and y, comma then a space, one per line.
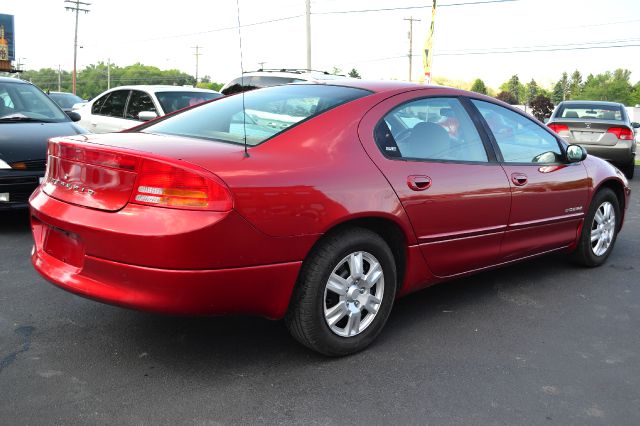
576, 153
147, 115
74, 116
635, 125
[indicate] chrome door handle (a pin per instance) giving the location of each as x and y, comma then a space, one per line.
419, 182
519, 179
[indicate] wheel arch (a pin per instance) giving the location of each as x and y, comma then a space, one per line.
618, 189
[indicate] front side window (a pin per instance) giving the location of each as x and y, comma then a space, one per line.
430, 129
174, 100
263, 114
520, 140
97, 105
138, 102
115, 103
24, 101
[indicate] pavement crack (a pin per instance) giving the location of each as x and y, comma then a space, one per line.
25, 332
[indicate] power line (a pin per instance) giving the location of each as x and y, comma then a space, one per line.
559, 49
387, 9
583, 43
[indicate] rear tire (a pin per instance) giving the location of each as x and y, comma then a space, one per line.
344, 294
599, 230
629, 169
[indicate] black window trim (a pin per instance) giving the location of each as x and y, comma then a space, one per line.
489, 151
561, 143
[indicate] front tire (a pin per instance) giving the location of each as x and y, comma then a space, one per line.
344, 293
599, 230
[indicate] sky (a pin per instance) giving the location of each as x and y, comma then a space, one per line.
376, 43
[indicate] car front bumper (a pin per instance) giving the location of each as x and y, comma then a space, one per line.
18, 185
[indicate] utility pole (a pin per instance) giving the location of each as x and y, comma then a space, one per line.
197, 55
76, 6
262, 64
108, 73
308, 18
59, 80
411, 21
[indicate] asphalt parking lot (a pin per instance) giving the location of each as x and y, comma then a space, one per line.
541, 342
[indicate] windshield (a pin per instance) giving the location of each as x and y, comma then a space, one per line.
66, 100
173, 101
591, 111
265, 113
24, 101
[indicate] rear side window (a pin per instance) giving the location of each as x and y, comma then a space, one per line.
520, 140
138, 102
114, 104
430, 129
590, 111
173, 101
266, 113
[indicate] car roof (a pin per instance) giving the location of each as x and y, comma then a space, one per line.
591, 102
162, 87
12, 80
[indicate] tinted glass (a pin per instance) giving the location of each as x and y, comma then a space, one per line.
173, 101
97, 105
66, 100
268, 81
115, 103
590, 111
520, 140
266, 113
138, 102
430, 129
24, 100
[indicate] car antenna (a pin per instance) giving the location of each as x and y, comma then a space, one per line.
244, 112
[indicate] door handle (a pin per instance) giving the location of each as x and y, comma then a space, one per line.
419, 182
519, 179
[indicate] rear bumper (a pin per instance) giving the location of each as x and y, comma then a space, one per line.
258, 290
620, 153
165, 260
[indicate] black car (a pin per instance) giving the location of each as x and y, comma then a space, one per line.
66, 100
28, 118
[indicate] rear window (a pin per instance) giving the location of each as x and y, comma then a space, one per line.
173, 101
591, 112
266, 112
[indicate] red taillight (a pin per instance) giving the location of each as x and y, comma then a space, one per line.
164, 185
623, 133
93, 156
558, 127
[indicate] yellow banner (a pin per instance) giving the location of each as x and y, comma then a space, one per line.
427, 54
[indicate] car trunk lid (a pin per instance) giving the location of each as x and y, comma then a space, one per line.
596, 132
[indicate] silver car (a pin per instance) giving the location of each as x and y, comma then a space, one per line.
603, 128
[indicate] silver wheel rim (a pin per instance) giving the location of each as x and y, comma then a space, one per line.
353, 294
603, 228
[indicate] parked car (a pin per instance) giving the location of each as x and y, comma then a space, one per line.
67, 101
28, 118
275, 77
316, 203
603, 128
124, 107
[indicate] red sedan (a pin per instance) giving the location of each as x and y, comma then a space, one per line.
316, 203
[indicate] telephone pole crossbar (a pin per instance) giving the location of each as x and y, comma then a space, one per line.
76, 6
197, 55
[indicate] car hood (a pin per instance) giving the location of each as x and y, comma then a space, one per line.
28, 141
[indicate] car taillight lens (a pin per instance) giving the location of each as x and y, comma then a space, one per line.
94, 156
558, 127
164, 185
623, 133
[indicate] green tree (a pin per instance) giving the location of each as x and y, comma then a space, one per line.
614, 87
336, 71
514, 87
478, 86
575, 85
531, 90
557, 93
354, 73
566, 87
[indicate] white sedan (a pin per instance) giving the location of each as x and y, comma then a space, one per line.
124, 107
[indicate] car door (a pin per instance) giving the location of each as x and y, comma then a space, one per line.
108, 115
445, 174
549, 195
139, 101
